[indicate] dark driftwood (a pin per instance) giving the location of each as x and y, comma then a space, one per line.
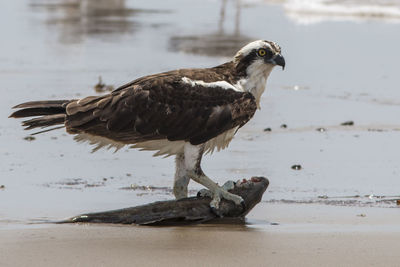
184, 211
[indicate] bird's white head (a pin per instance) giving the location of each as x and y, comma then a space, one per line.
259, 52
254, 62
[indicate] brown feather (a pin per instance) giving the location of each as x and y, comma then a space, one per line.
163, 107
42, 104
153, 107
31, 112
44, 121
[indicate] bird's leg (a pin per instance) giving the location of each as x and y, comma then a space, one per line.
181, 180
192, 158
217, 192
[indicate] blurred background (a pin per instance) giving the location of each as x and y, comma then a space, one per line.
334, 110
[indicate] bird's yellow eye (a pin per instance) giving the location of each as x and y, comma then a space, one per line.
261, 52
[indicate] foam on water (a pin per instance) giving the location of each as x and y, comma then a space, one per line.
314, 11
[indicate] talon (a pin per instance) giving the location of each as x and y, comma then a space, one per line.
221, 193
238, 200
214, 204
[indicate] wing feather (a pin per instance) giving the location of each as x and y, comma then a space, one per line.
161, 107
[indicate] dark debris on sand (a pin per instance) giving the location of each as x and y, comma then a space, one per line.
29, 138
296, 167
347, 123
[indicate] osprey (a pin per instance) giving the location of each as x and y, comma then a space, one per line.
184, 112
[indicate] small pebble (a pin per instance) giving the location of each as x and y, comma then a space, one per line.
2, 186
296, 167
321, 130
362, 215
347, 123
284, 126
29, 138
267, 129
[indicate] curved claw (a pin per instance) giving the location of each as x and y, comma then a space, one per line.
221, 193
218, 194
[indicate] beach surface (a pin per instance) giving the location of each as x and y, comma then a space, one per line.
326, 136
306, 236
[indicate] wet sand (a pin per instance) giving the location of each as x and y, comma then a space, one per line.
314, 236
121, 246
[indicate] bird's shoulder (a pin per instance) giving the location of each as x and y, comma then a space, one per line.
205, 87
181, 78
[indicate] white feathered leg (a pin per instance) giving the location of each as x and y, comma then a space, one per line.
181, 180
192, 160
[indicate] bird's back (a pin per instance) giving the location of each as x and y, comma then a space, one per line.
187, 105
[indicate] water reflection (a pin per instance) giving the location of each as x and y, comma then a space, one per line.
76, 19
218, 43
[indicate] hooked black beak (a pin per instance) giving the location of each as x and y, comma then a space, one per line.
279, 60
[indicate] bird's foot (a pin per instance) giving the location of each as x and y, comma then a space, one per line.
220, 193
228, 185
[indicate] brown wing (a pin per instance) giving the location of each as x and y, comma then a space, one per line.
158, 108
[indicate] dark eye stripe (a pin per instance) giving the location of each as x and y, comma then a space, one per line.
268, 54
246, 61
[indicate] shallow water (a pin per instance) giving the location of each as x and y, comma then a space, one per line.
337, 70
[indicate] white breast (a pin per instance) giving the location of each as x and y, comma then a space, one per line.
255, 82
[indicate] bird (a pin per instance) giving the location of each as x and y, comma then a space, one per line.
183, 113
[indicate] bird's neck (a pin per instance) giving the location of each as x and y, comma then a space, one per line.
254, 80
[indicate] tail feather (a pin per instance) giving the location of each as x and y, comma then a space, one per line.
44, 121
43, 104
31, 112
48, 113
